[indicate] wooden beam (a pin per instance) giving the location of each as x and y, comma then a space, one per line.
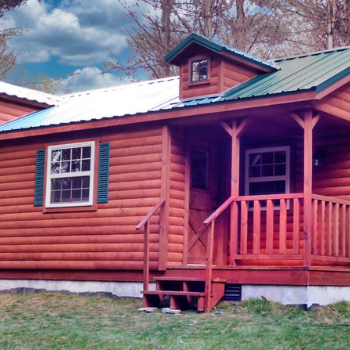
243, 126
298, 119
315, 119
226, 128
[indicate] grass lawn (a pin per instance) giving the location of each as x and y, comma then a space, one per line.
54, 321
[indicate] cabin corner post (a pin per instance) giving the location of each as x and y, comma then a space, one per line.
165, 193
235, 159
308, 126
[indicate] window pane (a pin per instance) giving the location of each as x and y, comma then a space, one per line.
86, 181
76, 166
76, 182
56, 197
66, 183
267, 158
65, 168
87, 152
255, 171
66, 196
280, 169
199, 170
56, 155
254, 159
280, 187
55, 168
267, 170
255, 188
56, 184
76, 195
280, 157
85, 195
268, 187
86, 165
76, 153
66, 154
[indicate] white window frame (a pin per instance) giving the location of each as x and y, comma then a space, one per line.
286, 177
50, 176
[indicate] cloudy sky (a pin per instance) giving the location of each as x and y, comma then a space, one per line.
70, 39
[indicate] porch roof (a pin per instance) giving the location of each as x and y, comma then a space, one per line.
310, 72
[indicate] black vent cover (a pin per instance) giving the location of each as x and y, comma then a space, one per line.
233, 292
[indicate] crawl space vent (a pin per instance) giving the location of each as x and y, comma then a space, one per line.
233, 292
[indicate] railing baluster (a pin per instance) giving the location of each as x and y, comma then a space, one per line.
256, 227
347, 239
244, 227
342, 251
322, 228
336, 230
234, 233
314, 238
329, 216
283, 227
296, 226
209, 269
269, 226
146, 258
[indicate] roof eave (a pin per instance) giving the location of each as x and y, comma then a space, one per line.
190, 111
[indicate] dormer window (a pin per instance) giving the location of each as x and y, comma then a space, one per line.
199, 70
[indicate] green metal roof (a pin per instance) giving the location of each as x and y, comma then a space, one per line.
312, 72
218, 48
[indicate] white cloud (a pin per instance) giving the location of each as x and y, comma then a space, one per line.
78, 32
88, 78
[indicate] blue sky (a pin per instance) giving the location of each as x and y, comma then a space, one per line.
70, 39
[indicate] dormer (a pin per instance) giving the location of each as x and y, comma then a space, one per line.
208, 68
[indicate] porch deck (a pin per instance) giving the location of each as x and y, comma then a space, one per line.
268, 237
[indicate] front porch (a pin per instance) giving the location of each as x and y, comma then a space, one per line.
299, 238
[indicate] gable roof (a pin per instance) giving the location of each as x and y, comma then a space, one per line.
218, 48
311, 73
28, 94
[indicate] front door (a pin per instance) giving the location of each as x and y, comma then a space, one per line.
202, 154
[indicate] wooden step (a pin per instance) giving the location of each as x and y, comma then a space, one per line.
173, 292
184, 292
179, 279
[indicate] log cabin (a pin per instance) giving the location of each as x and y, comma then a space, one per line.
231, 180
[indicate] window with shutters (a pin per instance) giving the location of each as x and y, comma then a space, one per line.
70, 175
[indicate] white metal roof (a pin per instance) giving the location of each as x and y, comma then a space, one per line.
103, 103
28, 94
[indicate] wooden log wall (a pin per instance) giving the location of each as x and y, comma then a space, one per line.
10, 110
105, 239
177, 214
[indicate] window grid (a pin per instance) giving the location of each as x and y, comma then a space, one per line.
70, 175
267, 171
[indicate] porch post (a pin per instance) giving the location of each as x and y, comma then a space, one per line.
235, 131
165, 193
307, 187
234, 192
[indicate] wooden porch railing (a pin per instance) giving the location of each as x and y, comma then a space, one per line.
210, 248
330, 229
145, 223
268, 227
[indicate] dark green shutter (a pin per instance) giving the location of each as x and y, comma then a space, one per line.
39, 177
103, 173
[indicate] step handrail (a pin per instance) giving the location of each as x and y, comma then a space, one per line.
210, 248
145, 223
